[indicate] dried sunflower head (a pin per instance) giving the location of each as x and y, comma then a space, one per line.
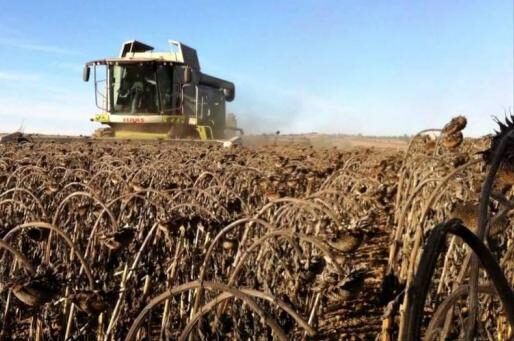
505, 174
452, 141
460, 159
456, 125
452, 132
466, 211
36, 290
505, 128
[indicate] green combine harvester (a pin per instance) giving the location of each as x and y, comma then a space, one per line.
159, 95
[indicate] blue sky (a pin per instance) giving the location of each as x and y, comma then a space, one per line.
368, 66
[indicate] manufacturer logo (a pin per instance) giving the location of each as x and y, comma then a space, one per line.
136, 120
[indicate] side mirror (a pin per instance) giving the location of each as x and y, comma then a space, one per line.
85, 73
187, 75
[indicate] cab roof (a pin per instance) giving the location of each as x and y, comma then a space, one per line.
137, 52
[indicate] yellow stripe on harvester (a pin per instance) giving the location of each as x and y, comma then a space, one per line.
124, 134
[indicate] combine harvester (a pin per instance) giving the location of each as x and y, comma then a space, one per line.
144, 94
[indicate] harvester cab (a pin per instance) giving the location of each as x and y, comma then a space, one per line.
148, 94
